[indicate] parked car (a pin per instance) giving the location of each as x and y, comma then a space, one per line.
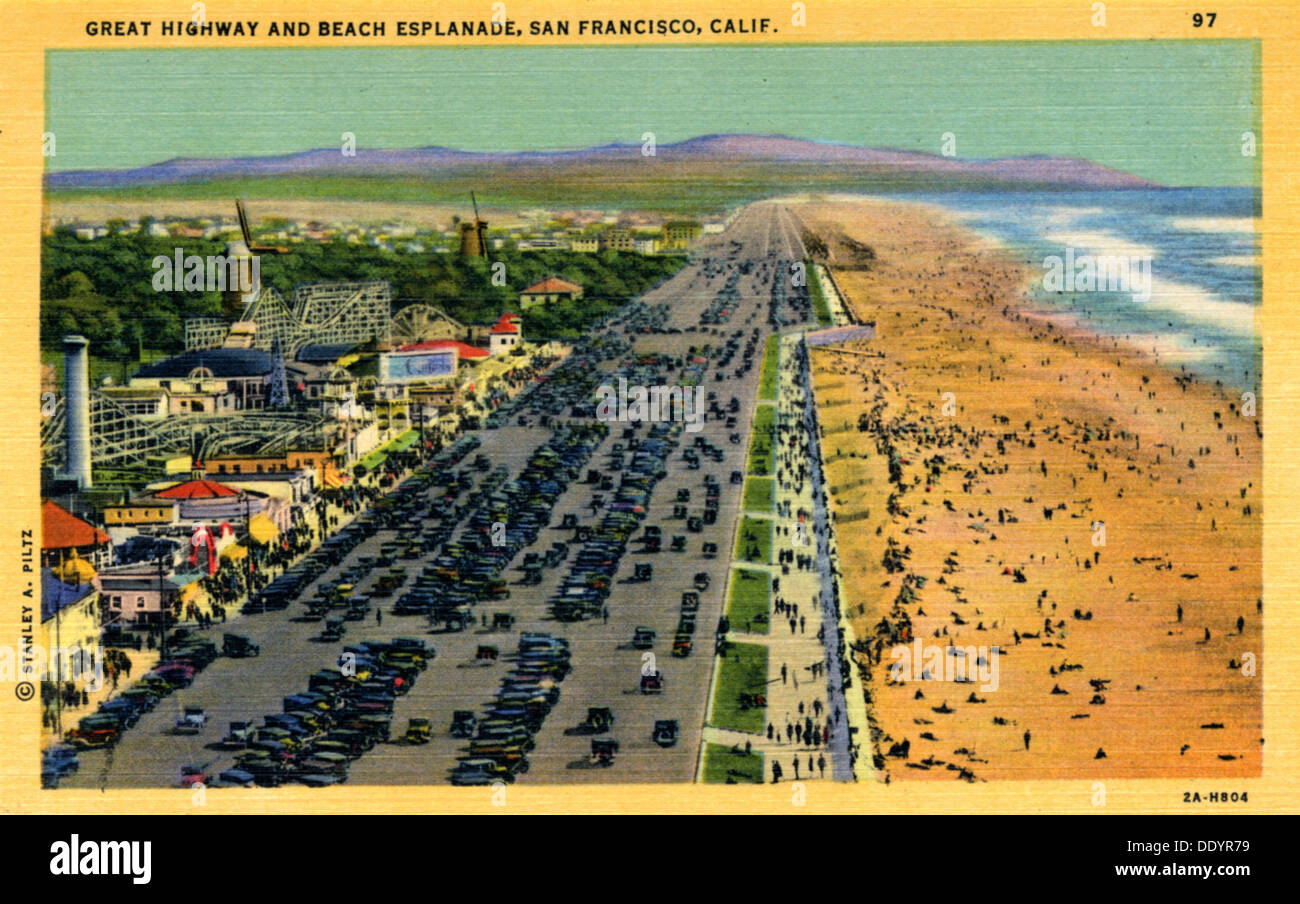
192, 775
480, 771
175, 674
417, 731
239, 734
234, 778
652, 683
239, 646
463, 723
99, 730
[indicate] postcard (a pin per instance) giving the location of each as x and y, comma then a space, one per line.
538, 406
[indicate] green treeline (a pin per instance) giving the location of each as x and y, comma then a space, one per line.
103, 288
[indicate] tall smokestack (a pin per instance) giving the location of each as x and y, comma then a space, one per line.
76, 404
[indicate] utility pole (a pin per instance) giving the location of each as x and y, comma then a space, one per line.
419, 413
58, 673
165, 608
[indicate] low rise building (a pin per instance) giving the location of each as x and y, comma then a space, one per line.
549, 291
506, 335
209, 381
678, 234
144, 594
617, 239
64, 535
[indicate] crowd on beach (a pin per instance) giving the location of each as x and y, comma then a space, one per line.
1142, 482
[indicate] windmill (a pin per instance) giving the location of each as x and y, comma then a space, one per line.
473, 236
248, 239
234, 298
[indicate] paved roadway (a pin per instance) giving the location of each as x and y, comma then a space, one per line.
606, 671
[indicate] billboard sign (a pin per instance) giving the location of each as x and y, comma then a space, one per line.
403, 367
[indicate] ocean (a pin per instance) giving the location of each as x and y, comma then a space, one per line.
1195, 298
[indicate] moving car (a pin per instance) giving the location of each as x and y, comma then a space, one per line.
191, 721
603, 751
417, 731
665, 732
653, 682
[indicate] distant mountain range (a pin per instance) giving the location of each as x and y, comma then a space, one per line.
772, 160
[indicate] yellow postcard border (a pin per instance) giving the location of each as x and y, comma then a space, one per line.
31, 28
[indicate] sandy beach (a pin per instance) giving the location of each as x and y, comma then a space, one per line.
1077, 507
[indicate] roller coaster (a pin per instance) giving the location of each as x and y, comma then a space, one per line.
119, 438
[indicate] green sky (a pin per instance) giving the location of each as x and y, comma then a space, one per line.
1173, 112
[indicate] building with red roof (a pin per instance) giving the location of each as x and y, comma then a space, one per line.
197, 489
463, 350
548, 291
63, 533
506, 334
200, 499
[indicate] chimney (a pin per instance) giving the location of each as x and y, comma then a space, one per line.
76, 403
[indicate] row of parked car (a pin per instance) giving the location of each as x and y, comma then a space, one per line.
499, 742
187, 653
471, 569
284, 589
786, 294
343, 713
570, 384
649, 319
585, 589
732, 345
339, 601
724, 303
289, 586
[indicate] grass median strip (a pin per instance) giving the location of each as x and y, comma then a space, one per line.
758, 494
742, 677
750, 604
771, 359
755, 541
761, 440
725, 766
820, 306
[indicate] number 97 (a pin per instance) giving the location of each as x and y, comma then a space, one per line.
1207, 20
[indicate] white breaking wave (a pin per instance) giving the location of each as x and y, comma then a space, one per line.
1237, 260
1064, 216
1188, 301
1203, 305
1099, 243
1215, 224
